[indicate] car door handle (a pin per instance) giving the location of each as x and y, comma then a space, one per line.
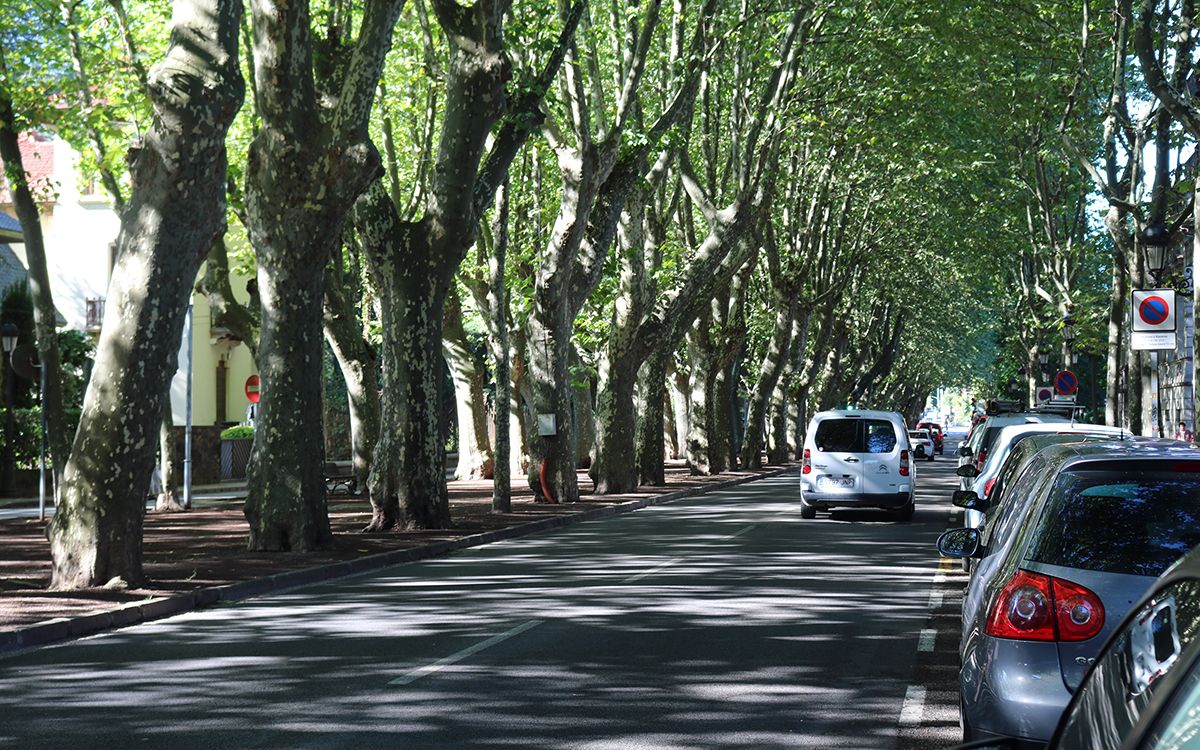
851, 460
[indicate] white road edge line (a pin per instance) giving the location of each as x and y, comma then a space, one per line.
736, 534
913, 709
925, 642
441, 664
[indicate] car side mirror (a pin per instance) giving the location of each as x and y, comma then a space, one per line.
959, 543
964, 451
969, 500
967, 471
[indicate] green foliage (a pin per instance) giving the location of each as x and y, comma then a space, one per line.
237, 432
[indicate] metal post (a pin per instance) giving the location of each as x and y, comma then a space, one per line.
10, 431
187, 425
42, 443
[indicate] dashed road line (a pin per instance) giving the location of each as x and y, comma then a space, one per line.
913, 709
926, 640
442, 663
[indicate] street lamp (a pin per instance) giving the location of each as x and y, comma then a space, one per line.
1068, 330
8, 341
1156, 238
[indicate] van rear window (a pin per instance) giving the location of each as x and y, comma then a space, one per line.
856, 436
839, 436
1135, 521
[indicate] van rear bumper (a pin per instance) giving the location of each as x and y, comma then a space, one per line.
890, 500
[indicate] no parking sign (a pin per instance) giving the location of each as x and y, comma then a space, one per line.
1153, 319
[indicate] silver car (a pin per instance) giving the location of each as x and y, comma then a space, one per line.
1083, 531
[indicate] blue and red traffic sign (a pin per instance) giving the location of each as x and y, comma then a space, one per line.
1066, 383
1154, 310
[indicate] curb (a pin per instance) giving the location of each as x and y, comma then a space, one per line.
134, 613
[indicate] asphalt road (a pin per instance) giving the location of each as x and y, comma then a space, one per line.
724, 621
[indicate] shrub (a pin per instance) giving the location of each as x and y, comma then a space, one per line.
237, 432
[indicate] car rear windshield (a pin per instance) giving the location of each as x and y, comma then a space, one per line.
1136, 521
856, 436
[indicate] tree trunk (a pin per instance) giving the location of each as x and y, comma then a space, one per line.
176, 211
773, 363
700, 403
615, 470
497, 305
58, 440
168, 463
1113, 415
225, 311
650, 453
552, 457
475, 458
360, 371
285, 504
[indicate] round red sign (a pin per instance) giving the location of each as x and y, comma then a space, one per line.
252, 389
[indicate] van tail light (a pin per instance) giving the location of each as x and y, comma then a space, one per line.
1036, 607
807, 462
988, 485
904, 463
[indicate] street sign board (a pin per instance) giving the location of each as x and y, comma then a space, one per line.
1044, 394
1154, 319
1066, 383
1154, 310
252, 389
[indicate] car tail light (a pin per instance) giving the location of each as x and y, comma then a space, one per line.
904, 463
988, 485
807, 462
1036, 607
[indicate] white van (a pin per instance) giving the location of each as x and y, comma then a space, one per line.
857, 459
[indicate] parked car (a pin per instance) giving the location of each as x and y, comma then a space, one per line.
857, 459
939, 438
1085, 530
975, 451
923, 444
982, 480
1143, 691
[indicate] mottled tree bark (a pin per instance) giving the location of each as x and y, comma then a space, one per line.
769, 371
414, 263
168, 463
307, 165
176, 211
475, 458
360, 370
651, 455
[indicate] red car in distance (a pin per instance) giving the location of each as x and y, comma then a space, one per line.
935, 429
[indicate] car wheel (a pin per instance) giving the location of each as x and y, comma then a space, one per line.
807, 511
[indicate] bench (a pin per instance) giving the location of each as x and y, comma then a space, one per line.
336, 477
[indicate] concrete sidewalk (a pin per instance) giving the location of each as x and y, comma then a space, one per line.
210, 543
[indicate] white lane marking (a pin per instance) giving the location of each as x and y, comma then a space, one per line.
652, 571
441, 664
736, 534
925, 643
935, 599
914, 706
939, 578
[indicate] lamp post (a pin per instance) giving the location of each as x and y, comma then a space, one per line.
8, 341
1156, 238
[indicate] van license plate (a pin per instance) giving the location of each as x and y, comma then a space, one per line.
839, 482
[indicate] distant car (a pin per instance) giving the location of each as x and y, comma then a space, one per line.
922, 443
857, 459
939, 438
1143, 691
975, 450
1088, 527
